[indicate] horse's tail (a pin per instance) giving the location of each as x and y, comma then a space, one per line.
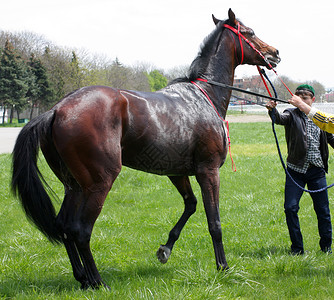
27, 179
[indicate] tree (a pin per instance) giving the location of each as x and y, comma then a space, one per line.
40, 91
177, 72
77, 73
138, 77
283, 93
156, 80
56, 63
319, 89
116, 75
14, 78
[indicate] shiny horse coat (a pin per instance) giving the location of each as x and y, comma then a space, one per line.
92, 132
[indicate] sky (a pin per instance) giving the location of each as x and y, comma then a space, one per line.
168, 34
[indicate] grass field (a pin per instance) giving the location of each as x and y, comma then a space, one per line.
137, 216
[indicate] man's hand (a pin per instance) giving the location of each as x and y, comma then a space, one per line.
298, 102
271, 104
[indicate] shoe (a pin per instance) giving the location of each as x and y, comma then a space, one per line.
327, 250
297, 252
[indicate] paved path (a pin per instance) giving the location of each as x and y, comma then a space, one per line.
8, 137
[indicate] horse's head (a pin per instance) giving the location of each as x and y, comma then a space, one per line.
251, 50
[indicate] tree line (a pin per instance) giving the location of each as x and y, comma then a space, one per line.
35, 74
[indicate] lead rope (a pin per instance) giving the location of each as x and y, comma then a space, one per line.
273, 118
234, 168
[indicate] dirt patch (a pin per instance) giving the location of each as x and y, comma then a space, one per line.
245, 118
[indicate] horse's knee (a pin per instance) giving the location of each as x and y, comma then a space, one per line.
78, 233
192, 209
82, 236
190, 205
215, 230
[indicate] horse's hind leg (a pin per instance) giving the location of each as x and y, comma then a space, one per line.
65, 216
183, 186
82, 205
64, 220
89, 210
64, 224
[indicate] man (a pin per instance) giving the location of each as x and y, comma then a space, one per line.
307, 163
323, 120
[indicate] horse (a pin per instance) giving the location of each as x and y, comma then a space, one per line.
178, 131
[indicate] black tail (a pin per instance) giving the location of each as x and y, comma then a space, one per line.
27, 179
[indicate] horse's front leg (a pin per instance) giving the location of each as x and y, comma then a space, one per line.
208, 180
183, 186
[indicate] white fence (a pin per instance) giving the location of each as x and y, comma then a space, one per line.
257, 109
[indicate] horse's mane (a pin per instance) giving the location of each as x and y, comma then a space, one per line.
200, 63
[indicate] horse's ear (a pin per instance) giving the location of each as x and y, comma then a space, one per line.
215, 20
231, 17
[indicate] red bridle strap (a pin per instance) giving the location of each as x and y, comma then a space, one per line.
241, 36
237, 32
207, 96
264, 82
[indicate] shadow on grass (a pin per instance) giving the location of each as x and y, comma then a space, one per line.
63, 284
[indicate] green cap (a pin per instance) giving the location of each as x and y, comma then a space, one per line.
306, 87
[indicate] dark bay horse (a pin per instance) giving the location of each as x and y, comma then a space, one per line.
92, 132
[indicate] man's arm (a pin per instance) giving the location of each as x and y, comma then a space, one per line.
322, 120
280, 119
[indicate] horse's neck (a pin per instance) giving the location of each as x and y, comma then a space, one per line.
222, 71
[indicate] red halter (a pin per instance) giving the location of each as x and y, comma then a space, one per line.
241, 36
238, 33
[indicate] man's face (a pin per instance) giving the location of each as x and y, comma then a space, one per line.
307, 97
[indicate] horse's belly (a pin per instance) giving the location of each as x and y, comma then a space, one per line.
160, 159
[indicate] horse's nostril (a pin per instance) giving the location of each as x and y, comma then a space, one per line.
277, 52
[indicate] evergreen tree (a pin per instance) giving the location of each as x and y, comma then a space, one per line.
76, 72
118, 75
56, 67
40, 91
14, 80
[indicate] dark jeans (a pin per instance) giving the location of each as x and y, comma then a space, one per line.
315, 178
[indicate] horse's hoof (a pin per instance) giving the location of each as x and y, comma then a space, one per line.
85, 285
107, 287
95, 286
163, 254
223, 268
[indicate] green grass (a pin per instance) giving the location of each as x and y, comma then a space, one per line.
136, 218
15, 123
